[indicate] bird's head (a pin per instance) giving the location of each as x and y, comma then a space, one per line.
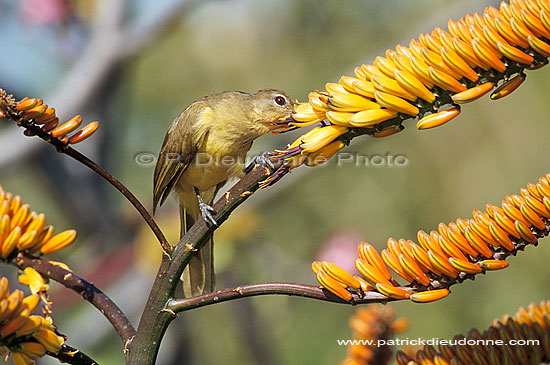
271, 108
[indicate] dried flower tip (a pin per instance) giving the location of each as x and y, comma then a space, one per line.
508, 87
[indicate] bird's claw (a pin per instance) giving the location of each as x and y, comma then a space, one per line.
206, 211
263, 160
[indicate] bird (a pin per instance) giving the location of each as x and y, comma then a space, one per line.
204, 147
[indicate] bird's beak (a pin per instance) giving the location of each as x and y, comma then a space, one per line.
282, 125
284, 120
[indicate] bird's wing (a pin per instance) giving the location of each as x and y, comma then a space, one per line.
180, 145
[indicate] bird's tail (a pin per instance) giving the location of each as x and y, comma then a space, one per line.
198, 276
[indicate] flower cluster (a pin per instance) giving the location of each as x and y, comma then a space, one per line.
427, 79
23, 334
23, 230
528, 328
37, 117
454, 252
373, 324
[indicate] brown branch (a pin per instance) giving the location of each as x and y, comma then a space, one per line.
70, 355
87, 290
156, 318
69, 151
124, 191
250, 290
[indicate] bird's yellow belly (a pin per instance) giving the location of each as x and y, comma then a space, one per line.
208, 170
204, 176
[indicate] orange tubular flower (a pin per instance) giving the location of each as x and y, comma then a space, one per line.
456, 251
33, 113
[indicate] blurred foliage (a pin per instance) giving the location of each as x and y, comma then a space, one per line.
492, 149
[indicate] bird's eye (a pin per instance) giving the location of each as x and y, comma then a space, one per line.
280, 100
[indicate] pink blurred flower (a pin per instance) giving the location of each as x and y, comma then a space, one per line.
341, 249
44, 12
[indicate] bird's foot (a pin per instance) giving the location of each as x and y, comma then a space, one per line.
206, 210
263, 160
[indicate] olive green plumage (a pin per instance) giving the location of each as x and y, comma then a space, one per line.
204, 147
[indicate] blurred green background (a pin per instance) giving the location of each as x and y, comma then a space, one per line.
491, 149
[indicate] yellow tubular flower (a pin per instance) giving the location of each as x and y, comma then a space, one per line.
48, 339
315, 140
33, 280
324, 154
445, 67
23, 230
24, 335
